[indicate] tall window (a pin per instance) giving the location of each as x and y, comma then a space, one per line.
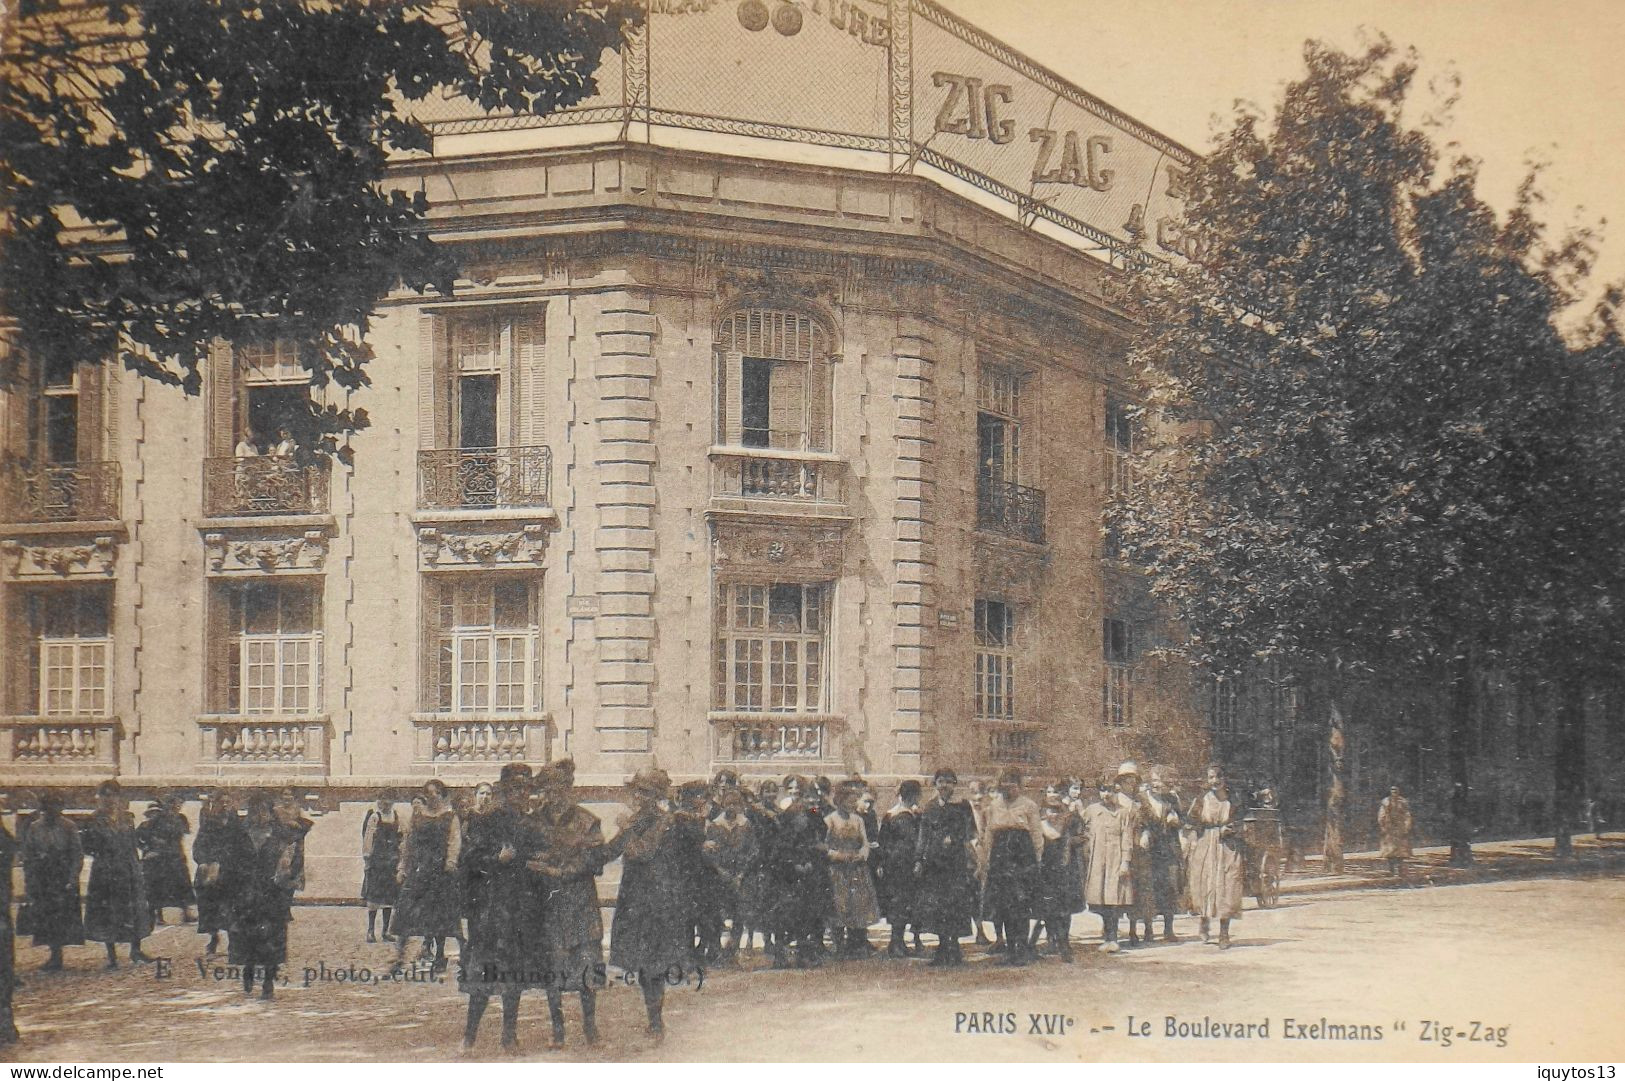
273, 647
1118, 637
274, 407
1224, 695
1120, 443
998, 425
481, 348
995, 661
58, 432
61, 662
772, 381
772, 639
486, 643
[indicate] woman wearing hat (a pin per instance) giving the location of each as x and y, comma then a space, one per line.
501, 958
651, 932
1216, 871
431, 898
566, 864
52, 858
161, 839
1015, 844
116, 907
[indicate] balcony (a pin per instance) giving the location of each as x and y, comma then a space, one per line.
776, 481
773, 739
272, 746
67, 492
487, 478
80, 746
261, 486
1012, 510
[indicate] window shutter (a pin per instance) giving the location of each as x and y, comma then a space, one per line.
18, 403
221, 641
531, 386
733, 389
434, 384
89, 447
22, 654
220, 380
819, 395
429, 661
786, 405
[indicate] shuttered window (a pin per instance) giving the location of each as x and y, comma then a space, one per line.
63, 645
482, 644
773, 381
772, 641
269, 651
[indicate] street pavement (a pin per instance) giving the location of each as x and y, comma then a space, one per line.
1515, 969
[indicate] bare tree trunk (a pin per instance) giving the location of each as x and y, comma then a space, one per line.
1337, 793
1568, 762
1461, 732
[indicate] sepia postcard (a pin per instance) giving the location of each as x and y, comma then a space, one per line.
811, 531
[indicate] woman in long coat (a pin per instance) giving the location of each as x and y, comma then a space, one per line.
161, 839
262, 876
1060, 892
1112, 825
897, 881
52, 859
431, 897
1216, 866
219, 838
650, 935
565, 866
846, 845
947, 896
503, 956
380, 858
116, 908
1394, 823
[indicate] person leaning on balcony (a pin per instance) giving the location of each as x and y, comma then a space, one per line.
247, 446
52, 859
116, 907
285, 446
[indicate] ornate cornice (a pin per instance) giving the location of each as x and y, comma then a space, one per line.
42, 561
228, 555
475, 545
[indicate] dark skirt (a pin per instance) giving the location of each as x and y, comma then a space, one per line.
1012, 875
430, 904
651, 931
572, 934
169, 885
116, 908
261, 939
52, 912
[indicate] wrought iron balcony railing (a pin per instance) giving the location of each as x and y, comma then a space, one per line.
68, 492
1012, 509
487, 477
235, 487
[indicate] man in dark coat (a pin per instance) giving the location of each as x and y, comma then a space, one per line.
947, 891
651, 933
52, 860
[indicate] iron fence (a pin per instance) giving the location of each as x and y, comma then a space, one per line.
68, 492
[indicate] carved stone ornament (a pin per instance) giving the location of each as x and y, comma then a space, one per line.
1008, 572
442, 547
24, 561
231, 554
738, 546
779, 284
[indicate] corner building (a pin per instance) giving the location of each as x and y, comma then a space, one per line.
749, 440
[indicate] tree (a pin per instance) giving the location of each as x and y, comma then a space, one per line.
1350, 395
176, 171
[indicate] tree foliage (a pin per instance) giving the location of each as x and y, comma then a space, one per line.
1369, 445
175, 171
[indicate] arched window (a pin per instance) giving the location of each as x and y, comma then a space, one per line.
773, 381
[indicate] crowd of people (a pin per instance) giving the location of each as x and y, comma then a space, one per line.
804, 866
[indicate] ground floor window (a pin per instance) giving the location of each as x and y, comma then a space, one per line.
60, 651
1118, 636
483, 643
995, 660
270, 636
771, 642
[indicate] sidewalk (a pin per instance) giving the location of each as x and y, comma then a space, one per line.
1529, 857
